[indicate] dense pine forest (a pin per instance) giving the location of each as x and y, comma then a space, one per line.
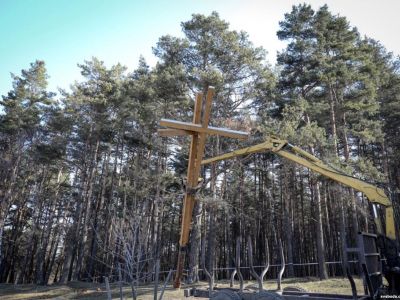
88, 189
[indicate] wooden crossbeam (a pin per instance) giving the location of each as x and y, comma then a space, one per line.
200, 129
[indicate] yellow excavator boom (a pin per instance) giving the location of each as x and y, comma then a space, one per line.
373, 193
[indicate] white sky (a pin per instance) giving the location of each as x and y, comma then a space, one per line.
377, 19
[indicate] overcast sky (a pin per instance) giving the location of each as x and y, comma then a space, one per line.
66, 32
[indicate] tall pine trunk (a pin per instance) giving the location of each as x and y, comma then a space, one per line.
322, 271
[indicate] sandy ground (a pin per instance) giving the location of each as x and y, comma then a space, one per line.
80, 290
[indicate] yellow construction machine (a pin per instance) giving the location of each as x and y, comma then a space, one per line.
385, 240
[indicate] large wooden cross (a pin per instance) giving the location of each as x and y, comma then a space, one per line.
198, 130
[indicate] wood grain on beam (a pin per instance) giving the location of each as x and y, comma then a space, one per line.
209, 130
173, 132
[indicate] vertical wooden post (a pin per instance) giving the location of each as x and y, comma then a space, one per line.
199, 131
195, 157
188, 202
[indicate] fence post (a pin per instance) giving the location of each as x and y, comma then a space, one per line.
121, 295
108, 288
156, 279
282, 266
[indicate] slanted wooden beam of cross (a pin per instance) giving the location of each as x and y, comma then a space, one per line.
199, 130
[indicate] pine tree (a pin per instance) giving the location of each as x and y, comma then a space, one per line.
24, 109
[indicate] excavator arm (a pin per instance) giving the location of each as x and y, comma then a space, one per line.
295, 154
387, 240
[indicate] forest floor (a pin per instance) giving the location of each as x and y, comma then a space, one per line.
90, 291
